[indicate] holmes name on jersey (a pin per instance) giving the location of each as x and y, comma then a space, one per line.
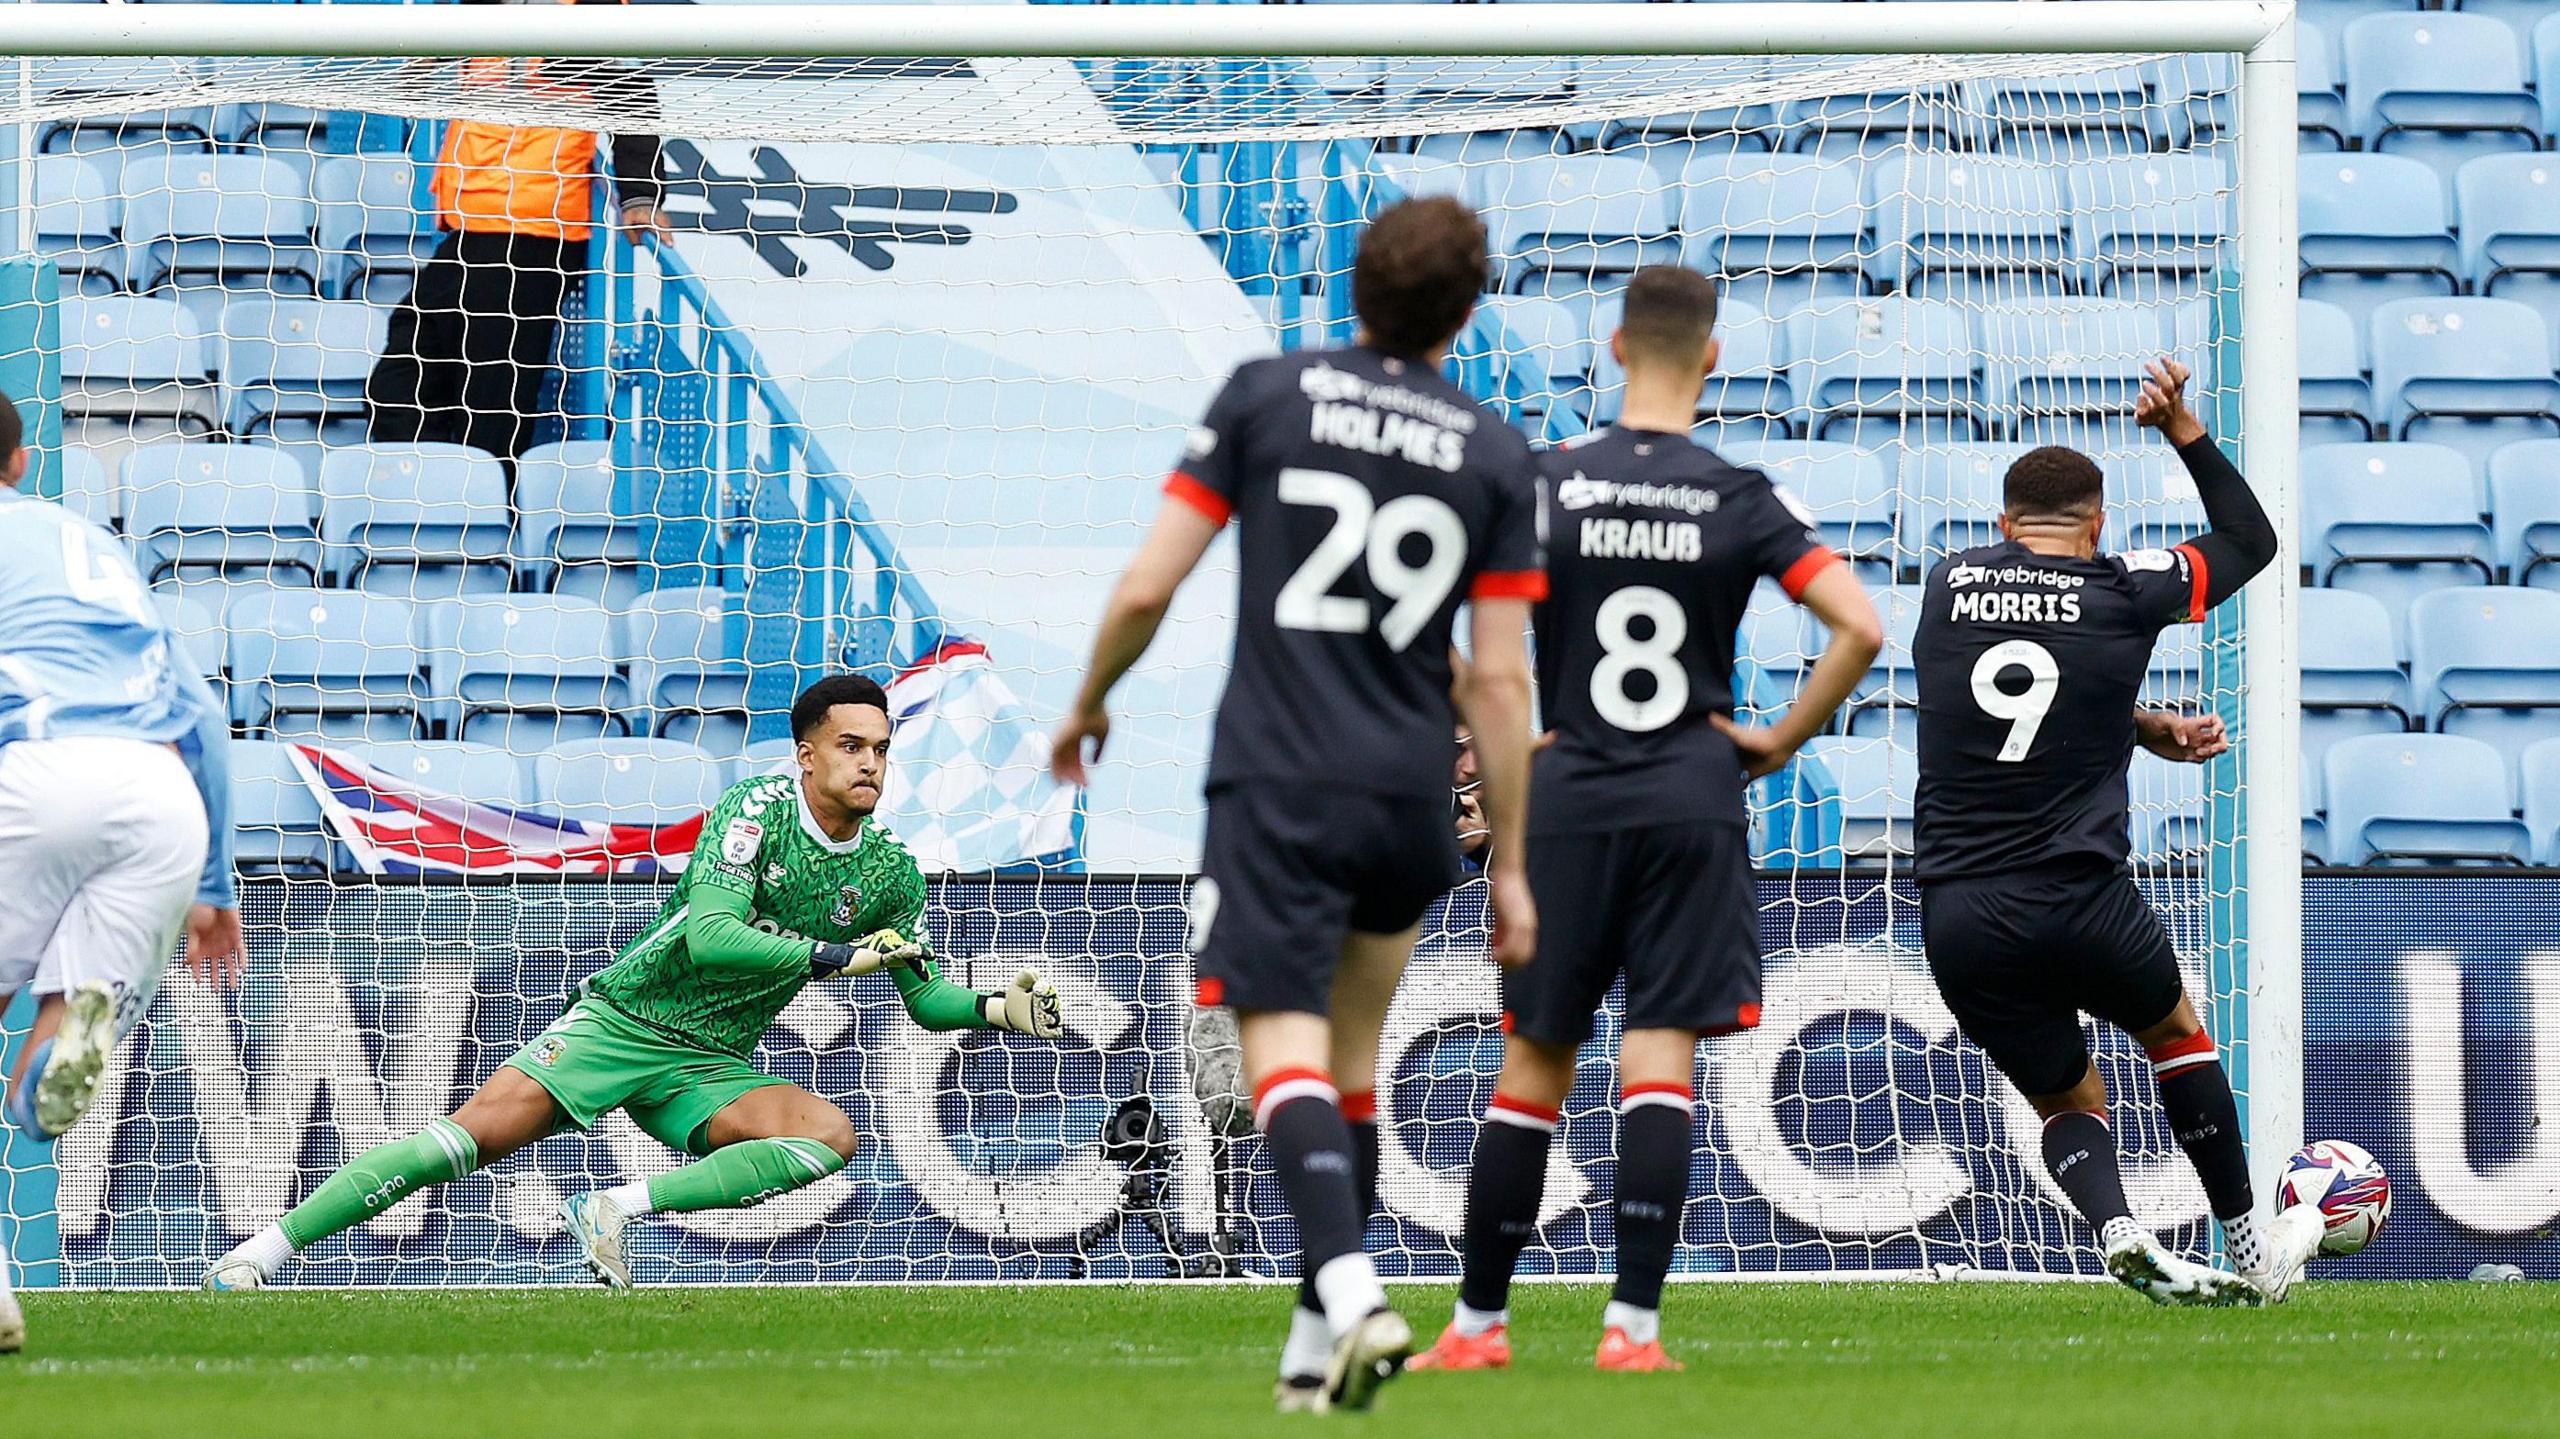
1353, 414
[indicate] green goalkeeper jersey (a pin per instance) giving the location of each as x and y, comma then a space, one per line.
731, 946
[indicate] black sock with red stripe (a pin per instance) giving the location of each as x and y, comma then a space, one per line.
2195, 1092
2080, 1153
1301, 1121
1655, 1136
1360, 1116
1508, 1177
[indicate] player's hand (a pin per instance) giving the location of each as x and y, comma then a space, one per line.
1029, 1006
2163, 403
642, 218
1079, 741
875, 951
1473, 831
1515, 917
1764, 750
2181, 738
216, 950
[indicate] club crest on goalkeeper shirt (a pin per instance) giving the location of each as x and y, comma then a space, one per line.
798, 882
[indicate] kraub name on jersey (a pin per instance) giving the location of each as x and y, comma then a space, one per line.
1615, 539
1582, 492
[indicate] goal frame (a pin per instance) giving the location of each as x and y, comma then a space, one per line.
2262, 1030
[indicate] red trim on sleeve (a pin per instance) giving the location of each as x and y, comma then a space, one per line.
1800, 574
2195, 597
1190, 491
1209, 993
1530, 585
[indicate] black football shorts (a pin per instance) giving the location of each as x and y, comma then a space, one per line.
1669, 904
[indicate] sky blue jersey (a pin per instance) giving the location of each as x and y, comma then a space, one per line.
83, 652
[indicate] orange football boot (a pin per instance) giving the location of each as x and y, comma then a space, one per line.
1621, 1355
1489, 1350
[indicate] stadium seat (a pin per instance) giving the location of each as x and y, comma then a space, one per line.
2538, 784
275, 823
86, 81
627, 781
1890, 370
1395, 175
2151, 501
2485, 662
1869, 784
2546, 70
2519, 16
295, 370
2508, 209
2080, 362
2152, 228
2472, 374
2338, 14
134, 369
1748, 127
682, 646
2439, 88
779, 755
2320, 117
199, 629
2069, 119
274, 127
331, 664
198, 226
1867, 122
1891, 683
1951, 500
374, 232
1775, 229
1747, 399
2393, 521
1529, 357
2196, 98
1565, 221
77, 214
570, 536
1773, 637
2315, 809
89, 491
2374, 228
525, 672
2423, 799
2169, 821
1968, 227
2352, 682
481, 773
2524, 512
222, 512
2337, 399
1846, 489
422, 520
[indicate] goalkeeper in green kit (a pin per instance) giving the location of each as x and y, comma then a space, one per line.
791, 883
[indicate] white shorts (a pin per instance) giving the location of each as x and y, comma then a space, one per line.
102, 842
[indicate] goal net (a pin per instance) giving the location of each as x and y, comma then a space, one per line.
508, 551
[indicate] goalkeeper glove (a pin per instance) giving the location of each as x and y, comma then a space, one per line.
877, 950
1029, 1006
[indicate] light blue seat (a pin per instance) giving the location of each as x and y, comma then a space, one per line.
482, 773
2423, 799
1772, 636
2485, 662
134, 369
2320, 109
2152, 227
2374, 228
2337, 399
421, 520
1747, 399
2072, 119
2169, 822
1853, 122
2336, 15
2538, 784
1485, 158
2352, 680
222, 512
1846, 490
1890, 370
1395, 175
1969, 227
2393, 521
1869, 783
2151, 501
627, 781
683, 658
2195, 98
1527, 356
1749, 126
90, 80
1776, 229
296, 369
2524, 511
1571, 224
374, 231
199, 628
2440, 88
275, 821
273, 126
2315, 809
2472, 374
1891, 683
89, 491
2520, 16
2508, 207
77, 215
200, 226
525, 672
335, 664
2074, 362
1952, 500
570, 536
2546, 70
779, 755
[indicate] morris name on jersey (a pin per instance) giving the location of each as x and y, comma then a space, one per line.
2047, 600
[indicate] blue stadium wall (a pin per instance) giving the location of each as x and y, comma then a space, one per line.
2433, 1027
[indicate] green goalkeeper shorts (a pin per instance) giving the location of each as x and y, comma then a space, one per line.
595, 1059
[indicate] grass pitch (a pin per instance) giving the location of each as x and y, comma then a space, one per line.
2073, 1361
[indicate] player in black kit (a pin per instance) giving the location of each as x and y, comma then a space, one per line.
2030, 655
1639, 853
1372, 499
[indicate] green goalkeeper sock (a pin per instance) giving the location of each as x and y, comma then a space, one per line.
748, 1172
379, 1178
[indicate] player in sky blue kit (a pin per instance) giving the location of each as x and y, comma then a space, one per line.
115, 830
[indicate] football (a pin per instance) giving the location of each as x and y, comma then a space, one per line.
2346, 1185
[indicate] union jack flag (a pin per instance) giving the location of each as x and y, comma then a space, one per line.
395, 826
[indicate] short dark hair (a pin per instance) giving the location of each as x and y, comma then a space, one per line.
810, 710
13, 430
1670, 312
2053, 482
1420, 268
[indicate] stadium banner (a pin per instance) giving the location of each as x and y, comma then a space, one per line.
1849, 1132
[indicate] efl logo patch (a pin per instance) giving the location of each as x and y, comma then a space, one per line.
739, 842
548, 1049
846, 899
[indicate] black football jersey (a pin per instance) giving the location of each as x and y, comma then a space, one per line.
1655, 545
1372, 497
2029, 667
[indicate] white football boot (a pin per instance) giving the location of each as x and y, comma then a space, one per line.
2138, 1262
2293, 1241
78, 1059
232, 1275
1298, 1394
597, 1223
1370, 1354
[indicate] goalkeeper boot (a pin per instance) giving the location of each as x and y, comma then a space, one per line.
2293, 1241
1460, 1350
1621, 1354
1369, 1354
597, 1223
233, 1275
2138, 1262
76, 1059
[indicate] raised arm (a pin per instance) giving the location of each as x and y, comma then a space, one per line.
2241, 540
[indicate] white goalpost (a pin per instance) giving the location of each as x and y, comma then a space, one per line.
935, 294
